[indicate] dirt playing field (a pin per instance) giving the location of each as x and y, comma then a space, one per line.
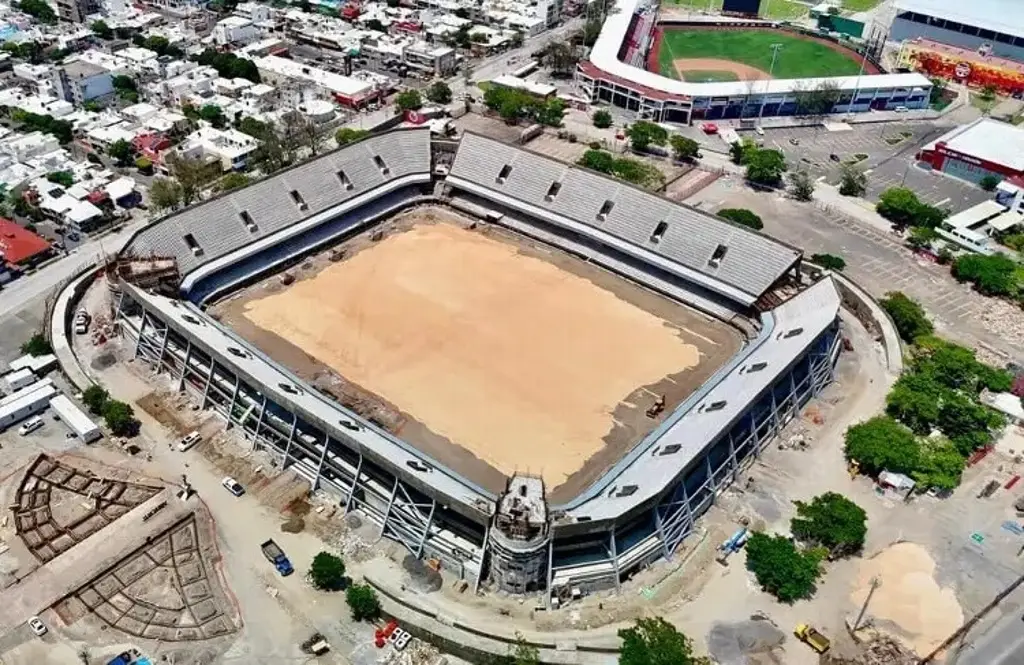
701, 69
526, 358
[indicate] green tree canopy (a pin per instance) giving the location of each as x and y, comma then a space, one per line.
39, 10
941, 466
327, 572
989, 182
101, 30
602, 119
120, 418
409, 100
683, 148
915, 400
852, 180
362, 602
883, 444
994, 275
742, 216
214, 115
907, 315
831, 521
62, 178
643, 134
765, 167
165, 194
601, 161
439, 92
781, 569
347, 135
654, 641
95, 398
801, 185
121, 151
899, 205
37, 345
523, 653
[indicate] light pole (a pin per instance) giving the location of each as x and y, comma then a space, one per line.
856, 86
771, 68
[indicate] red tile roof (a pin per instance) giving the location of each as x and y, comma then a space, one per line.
17, 245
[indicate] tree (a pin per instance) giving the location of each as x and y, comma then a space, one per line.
327, 572
937, 91
550, 112
740, 151
914, 401
831, 521
781, 569
989, 182
802, 185
523, 653
765, 167
941, 466
95, 398
233, 180
819, 101
685, 149
123, 82
852, 180
561, 58
362, 601
37, 345
899, 205
439, 92
598, 160
829, 261
39, 10
347, 135
510, 111
409, 100
654, 641
994, 275
643, 134
907, 315
63, 178
213, 114
921, 238
602, 119
121, 151
742, 216
882, 444
191, 175
968, 424
375, 25
101, 30
120, 418
165, 194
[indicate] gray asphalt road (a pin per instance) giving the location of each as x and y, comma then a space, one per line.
1003, 644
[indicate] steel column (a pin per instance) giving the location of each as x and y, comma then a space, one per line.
231, 404
184, 365
320, 465
387, 513
259, 422
615, 561
355, 481
288, 445
426, 528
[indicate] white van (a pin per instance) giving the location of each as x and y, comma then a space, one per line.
30, 425
190, 441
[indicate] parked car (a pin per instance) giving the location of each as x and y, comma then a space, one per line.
37, 626
190, 441
233, 486
30, 425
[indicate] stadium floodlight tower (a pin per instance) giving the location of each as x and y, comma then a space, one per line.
520, 537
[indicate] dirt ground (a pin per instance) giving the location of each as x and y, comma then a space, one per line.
742, 72
442, 334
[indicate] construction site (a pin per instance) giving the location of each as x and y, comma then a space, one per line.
508, 323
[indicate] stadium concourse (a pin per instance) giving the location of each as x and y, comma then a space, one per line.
616, 73
640, 508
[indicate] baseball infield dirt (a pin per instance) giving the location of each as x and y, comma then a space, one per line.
518, 361
742, 72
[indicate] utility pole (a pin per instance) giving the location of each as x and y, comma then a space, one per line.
875, 583
856, 87
775, 54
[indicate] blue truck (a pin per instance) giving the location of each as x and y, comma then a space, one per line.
276, 556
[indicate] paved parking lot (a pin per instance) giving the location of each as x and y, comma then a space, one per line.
931, 187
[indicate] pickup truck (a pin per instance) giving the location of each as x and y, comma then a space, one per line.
813, 638
276, 556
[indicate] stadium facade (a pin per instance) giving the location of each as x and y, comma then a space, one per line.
615, 74
995, 27
635, 513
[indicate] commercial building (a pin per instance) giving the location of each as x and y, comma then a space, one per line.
981, 148
994, 27
615, 74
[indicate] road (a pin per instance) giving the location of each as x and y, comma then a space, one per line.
14, 295
1002, 644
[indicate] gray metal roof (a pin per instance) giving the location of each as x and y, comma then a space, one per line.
218, 227
1005, 16
751, 264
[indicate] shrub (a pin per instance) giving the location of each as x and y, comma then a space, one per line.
991, 275
37, 345
362, 601
831, 521
829, 261
95, 398
120, 418
602, 119
907, 315
781, 569
327, 572
882, 444
989, 182
742, 216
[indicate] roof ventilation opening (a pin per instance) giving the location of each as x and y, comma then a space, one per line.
659, 232
606, 208
298, 200
716, 258
288, 388
757, 367
553, 191
348, 424
345, 182
671, 449
793, 332
503, 174
190, 240
715, 406
628, 490
384, 170
250, 225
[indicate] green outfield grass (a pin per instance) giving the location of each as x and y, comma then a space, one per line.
708, 76
798, 58
777, 9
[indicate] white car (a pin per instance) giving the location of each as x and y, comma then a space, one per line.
30, 425
37, 626
190, 441
233, 486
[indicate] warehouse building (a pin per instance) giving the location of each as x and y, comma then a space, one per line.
971, 152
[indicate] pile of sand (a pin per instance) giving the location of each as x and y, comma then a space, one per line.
909, 596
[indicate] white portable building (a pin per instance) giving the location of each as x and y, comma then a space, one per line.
27, 403
19, 378
75, 419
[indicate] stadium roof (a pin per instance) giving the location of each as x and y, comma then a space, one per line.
679, 239
605, 56
1006, 16
990, 140
18, 244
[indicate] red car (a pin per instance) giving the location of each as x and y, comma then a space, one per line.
709, 128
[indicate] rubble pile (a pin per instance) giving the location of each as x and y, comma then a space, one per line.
879, 650
416, 653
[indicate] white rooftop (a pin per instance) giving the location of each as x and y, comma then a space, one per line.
1004, 16
975, 215
987, 139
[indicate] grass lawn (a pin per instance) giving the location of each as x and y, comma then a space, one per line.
798, 58
777, 9
860, 5
708, 76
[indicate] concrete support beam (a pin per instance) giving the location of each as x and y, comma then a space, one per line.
355, 481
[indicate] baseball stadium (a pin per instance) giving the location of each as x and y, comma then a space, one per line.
535, 374
681, 71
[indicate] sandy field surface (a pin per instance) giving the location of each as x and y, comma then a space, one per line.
742, 72
910, 604
518, 361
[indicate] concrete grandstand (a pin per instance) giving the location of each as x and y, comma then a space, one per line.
641, 508
615, 74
